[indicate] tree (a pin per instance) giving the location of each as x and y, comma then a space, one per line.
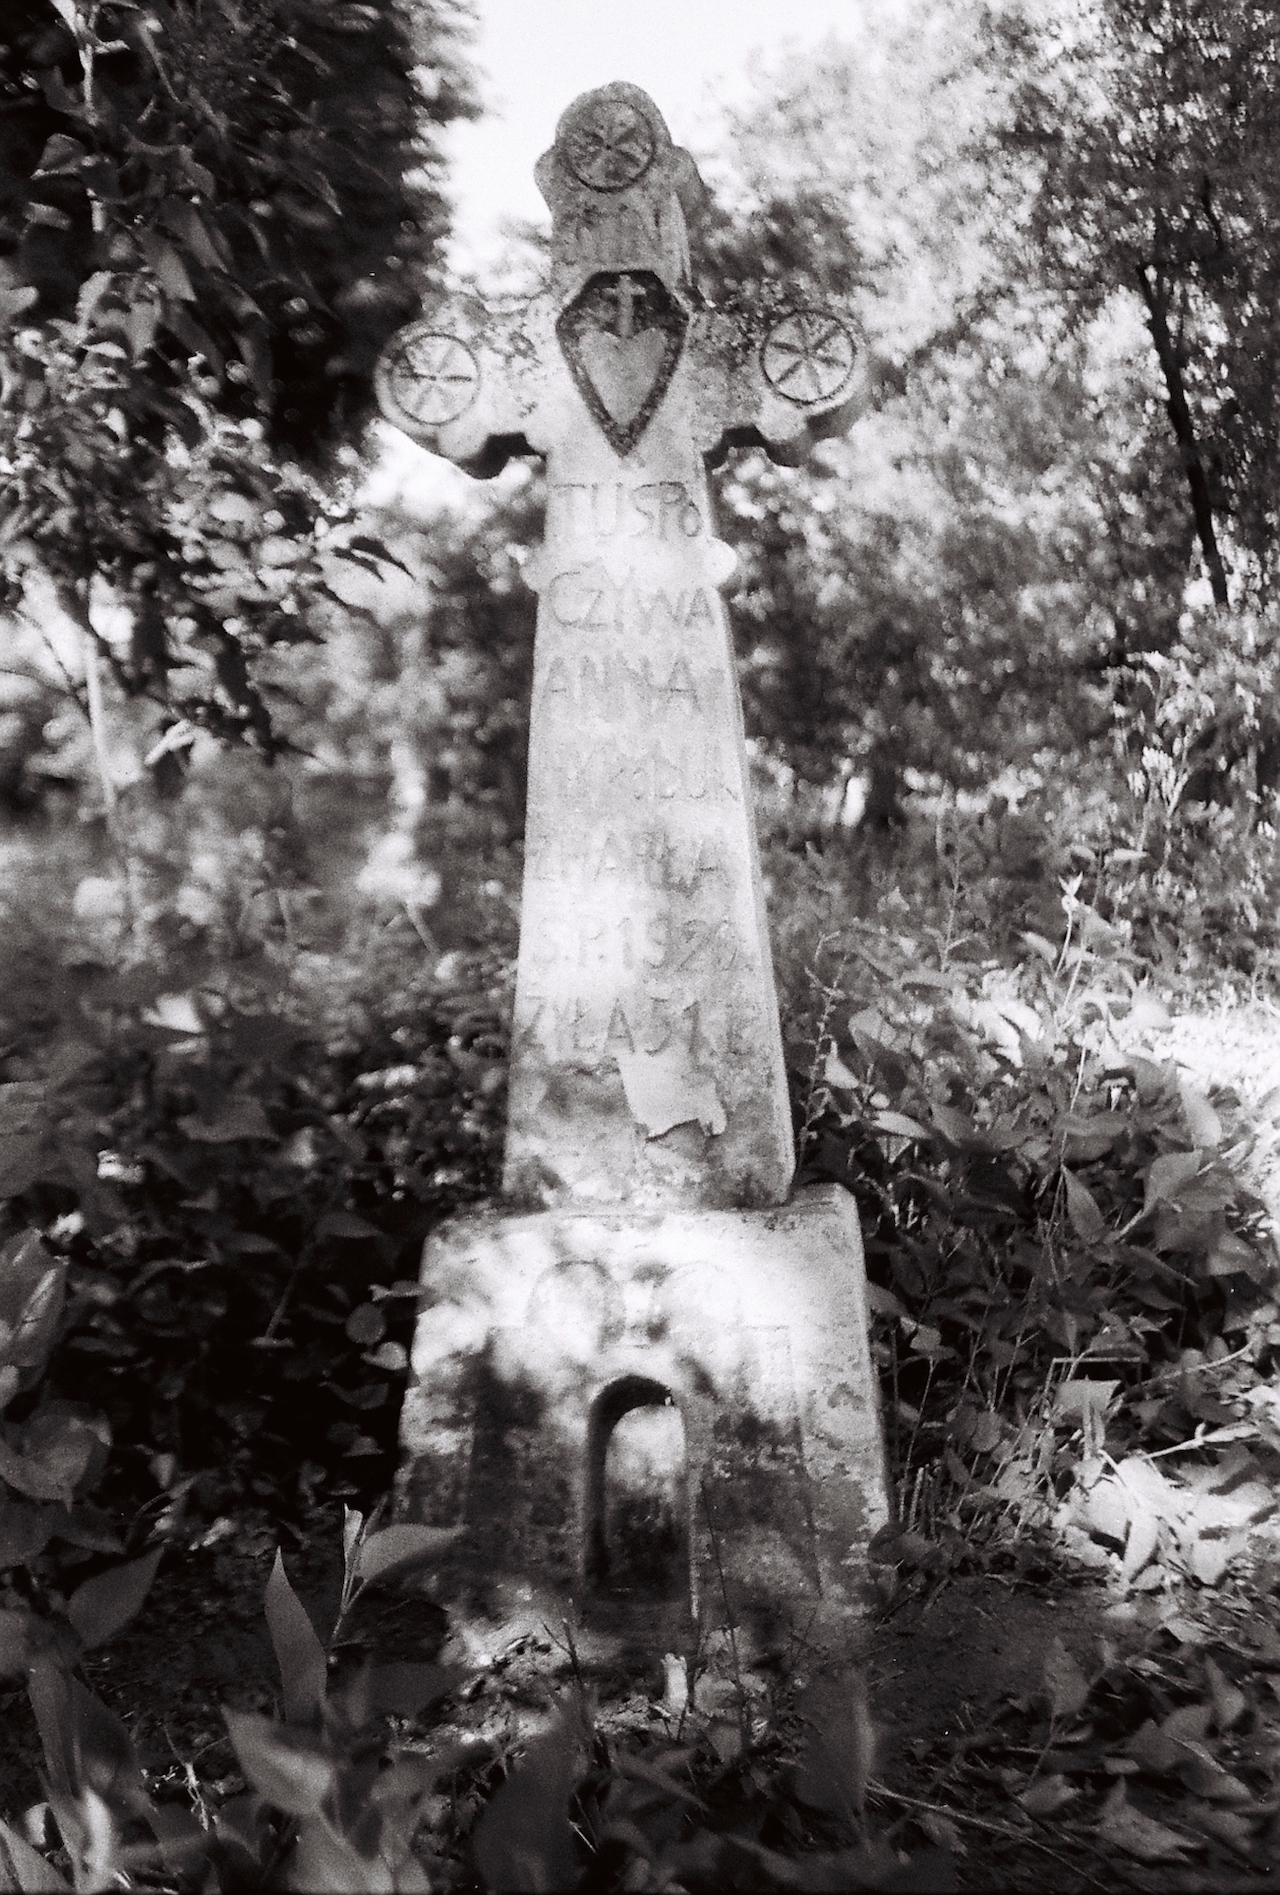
212, 215
950, 591
1154, 129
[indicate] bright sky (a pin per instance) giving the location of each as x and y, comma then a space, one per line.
536, 56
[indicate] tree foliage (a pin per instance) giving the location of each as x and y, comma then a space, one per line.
950, 591
253, 185
1153, 128
213, 215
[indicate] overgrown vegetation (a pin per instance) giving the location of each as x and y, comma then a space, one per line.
1016, 769
1071, 1262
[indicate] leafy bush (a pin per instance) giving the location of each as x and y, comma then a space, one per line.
235, 1164
1055, 1228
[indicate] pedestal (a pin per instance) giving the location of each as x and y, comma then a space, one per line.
539, 1333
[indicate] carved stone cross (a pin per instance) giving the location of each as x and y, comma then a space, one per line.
646, 1062
649, 1108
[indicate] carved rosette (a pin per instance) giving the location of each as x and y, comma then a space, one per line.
607, 143
427, 378
808, 357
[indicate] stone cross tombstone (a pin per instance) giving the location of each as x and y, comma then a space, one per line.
649, 1256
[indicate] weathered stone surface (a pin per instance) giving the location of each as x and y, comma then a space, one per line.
648, 1103
646, 1064
541, 1332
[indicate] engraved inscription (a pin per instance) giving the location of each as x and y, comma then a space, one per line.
573, 1029
612, 686
586, 596
648, 856
658, 775
685, 944
630, 232
660, 510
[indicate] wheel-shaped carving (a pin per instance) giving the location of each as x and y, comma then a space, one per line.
428, 376
608, 145
808, 356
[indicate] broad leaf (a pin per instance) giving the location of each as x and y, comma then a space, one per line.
104, 1605
19, 1641
367, 1325
50, 1474
86, 1747
31, 1299
1167, 1175
285, 1766
524, 1843
298, 1650
26, 1528
900, 1125
24, 1868
402, 1547
1203, 1122
1087, 1220
323, 1862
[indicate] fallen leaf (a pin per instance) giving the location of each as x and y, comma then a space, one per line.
1080, 1396
942, 1831
1144, 1531
1205, 1776
1046, 1796
1141, 1836
1105, 1511
1225, 1825
1189, 1724
1208, 1561
1065, 1685
1155, 1750
1229, 1701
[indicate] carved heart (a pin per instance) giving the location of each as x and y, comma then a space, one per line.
623, 370
622, 377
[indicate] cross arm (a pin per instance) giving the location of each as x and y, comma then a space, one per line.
465, 382
781, 382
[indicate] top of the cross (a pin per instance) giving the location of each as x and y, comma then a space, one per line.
618, 190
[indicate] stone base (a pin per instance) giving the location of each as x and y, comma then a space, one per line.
539, 1333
